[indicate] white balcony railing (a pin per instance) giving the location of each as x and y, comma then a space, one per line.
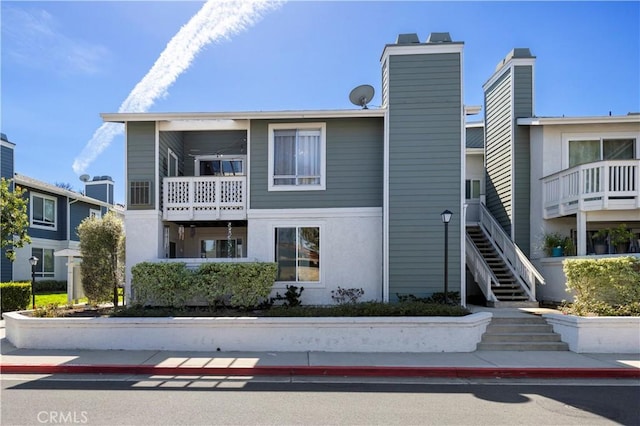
204, 198
602, 185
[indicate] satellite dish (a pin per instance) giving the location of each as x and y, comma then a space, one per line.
85, 178
361, 95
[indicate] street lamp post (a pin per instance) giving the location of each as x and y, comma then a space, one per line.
33, 261
446, 217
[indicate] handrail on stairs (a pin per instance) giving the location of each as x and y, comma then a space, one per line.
513, 256
482, 274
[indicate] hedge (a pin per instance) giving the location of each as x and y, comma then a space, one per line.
49, 286
15, 296
606, 287
242, 285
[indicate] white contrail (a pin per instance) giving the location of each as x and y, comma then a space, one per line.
216, 20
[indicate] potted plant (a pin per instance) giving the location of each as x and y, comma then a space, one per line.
554, 244
620, 237
600, 245
569, 248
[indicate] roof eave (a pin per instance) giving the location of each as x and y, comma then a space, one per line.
259, 115
28, 182
550, 121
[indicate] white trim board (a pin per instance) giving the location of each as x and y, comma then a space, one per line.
285, 214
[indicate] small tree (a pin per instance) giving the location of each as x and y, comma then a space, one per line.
14, 220
102, 247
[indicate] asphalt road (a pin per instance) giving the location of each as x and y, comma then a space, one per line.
192, 400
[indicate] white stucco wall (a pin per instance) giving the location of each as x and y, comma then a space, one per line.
598, 334
350, 248
144, 242
338, 334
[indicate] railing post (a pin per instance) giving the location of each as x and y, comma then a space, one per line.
218, 196
191, 196
605, 185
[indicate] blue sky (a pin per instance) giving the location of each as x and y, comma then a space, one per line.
64, 63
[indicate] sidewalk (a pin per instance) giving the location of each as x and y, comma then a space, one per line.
505, 364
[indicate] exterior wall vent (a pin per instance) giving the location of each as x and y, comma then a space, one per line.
439, 38
407, 38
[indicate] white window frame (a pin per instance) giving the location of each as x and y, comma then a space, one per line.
55, 211
199, 158
471, 181
323, 156
297, 225
567, 137
39, 272
239, 247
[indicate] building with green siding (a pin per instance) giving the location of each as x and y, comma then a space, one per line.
353, 198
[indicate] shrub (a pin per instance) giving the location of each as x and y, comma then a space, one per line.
50, 286
172, 284
50, 311
608, 286
291, 296
347, 295
15, 296
245, 285
164, 284
374, 309
102, 247
438, 297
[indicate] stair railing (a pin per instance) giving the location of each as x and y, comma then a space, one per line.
482, 274
523, 269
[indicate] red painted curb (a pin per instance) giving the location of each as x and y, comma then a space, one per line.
355, 371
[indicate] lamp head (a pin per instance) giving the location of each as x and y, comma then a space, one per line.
446, 216
33, 260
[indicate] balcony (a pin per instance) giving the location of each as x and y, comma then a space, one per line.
204, 198
602, 185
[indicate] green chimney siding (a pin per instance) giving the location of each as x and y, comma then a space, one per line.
425, 143
507, 151
523, 107
141, 142
354, 166
498, 127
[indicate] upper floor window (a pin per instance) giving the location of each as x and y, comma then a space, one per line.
297, 155
43, 211
588, 151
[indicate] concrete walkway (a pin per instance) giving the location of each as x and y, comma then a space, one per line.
550, 364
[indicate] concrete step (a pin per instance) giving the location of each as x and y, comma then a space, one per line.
524, 346
520, 304
520, 337
520, 333
518, 328
522, 319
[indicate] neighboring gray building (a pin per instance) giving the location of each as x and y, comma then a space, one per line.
54, 214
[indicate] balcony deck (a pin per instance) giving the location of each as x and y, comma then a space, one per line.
602, 185
204, 198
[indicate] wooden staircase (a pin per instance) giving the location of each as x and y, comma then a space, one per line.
520, 333
507, 289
